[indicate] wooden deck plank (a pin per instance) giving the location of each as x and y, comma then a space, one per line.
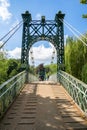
43, 106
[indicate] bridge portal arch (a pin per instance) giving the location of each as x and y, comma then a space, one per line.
37, 30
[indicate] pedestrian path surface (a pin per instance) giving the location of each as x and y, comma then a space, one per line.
43, 106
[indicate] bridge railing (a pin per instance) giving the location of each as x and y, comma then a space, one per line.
76, 88
9, 90
32, 78
53, 77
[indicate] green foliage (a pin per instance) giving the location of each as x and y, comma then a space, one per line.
84, 73
68, 53
3, 74
84, 16
51, 69
83, 1
75, 57
13, 72
2, 54
32, 70
9, 68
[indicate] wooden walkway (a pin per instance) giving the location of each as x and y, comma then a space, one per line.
43, 106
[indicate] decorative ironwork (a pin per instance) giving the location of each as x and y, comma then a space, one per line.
49, 30
9, 90
76, 88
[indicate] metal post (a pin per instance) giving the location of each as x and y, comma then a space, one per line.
25, 36
60, 42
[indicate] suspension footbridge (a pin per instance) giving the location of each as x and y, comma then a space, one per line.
43, 106
27, 103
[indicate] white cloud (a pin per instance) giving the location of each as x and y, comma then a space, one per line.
4, 12
38, 16
41, 54
16, 53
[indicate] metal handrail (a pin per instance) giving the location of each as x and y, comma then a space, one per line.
76, 88
9, 90
5, 83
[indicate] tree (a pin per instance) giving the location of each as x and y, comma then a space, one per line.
84, 73
3, 69
84, 2
9, 68
51, 69
75, 56
3, 54
13, 67
32, 69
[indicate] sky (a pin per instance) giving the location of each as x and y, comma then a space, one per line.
10, 15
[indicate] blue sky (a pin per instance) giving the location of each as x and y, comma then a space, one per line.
11, 10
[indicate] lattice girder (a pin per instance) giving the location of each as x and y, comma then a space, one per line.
49, 30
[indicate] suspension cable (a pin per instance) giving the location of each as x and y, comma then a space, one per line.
15, 29
10, 31
10, 37
73, 31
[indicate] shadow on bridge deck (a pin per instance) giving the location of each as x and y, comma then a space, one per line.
43, 106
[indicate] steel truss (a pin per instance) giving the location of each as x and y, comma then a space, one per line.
49, 30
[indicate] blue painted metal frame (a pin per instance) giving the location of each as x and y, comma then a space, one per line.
76, 88
9, 90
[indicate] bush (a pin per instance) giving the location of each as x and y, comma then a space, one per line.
84, 73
